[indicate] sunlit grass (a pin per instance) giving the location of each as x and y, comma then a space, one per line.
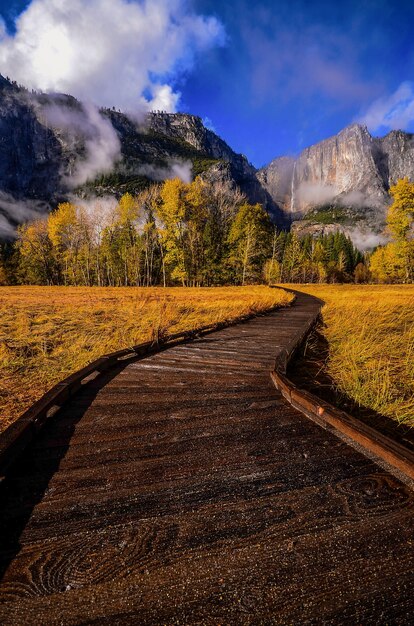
370, 330
46, 333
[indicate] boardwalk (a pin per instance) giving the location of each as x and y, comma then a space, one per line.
183, 489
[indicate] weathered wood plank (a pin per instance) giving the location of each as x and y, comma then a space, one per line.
186, 490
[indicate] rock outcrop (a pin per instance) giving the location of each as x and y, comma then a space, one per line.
52, 146
352, 170
30, 153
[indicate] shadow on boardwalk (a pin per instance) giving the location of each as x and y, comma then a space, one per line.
28, 480
183, 489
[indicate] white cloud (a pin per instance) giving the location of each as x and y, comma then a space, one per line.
110, 52
365, 239
209, 124
316, 193
101, 142
163, 99
13, 210
394, 112
176, 169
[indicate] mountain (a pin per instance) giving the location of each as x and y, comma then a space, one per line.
342, 181
53, 147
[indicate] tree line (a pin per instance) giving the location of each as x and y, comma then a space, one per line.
190, 234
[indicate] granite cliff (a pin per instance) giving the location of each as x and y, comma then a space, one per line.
343, 180
53, 147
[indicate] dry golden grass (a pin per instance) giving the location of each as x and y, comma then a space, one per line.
370, 330
46, 333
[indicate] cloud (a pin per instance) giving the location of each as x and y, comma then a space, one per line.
318, 194
102, 147
394, 112
209, 124
315, 194
176, 169
14, 211
361, 200
365, 239
110, 52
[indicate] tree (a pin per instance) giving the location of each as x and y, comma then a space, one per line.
172, 211
272, 271
36, 263
249, 241
362, 274
293, 259
149, 200
400, 221
3, 275
400, 217
65, 235
395, 261
128, 242
387, 264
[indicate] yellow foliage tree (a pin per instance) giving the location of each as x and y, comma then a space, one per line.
172, 211
400, 221
272, 271
36, 261
387, 264
127, 209
400, 218
64, 231
3, 275
62, 226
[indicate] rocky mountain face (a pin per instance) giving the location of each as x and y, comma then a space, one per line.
30, 153
53, 147
343, 180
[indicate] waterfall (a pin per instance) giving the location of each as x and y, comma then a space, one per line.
292, 189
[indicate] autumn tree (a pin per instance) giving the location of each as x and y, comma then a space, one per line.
36, 264
394, 262
199, 233
148, 201
362, 274
173, 212
400, 222
388, 265
64, 232
249, 242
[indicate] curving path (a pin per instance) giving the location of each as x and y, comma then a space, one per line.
184, 489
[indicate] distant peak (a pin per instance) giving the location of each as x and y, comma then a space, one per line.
355, 126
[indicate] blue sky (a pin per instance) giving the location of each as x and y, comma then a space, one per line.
295, 72
275, 77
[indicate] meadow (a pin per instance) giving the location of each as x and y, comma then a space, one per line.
46, 333
370, 333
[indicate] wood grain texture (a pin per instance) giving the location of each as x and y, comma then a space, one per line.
183, 489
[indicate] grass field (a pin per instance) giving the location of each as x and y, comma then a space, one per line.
370, 331
46, 333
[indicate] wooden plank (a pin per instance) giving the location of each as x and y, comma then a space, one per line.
324, 414
191, 492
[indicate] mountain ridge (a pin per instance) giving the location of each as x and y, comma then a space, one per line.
353, 170
53, 147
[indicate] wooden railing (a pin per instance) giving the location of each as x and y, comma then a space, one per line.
20, 433
397, 457
15, 439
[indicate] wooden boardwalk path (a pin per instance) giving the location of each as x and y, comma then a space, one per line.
183, 489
